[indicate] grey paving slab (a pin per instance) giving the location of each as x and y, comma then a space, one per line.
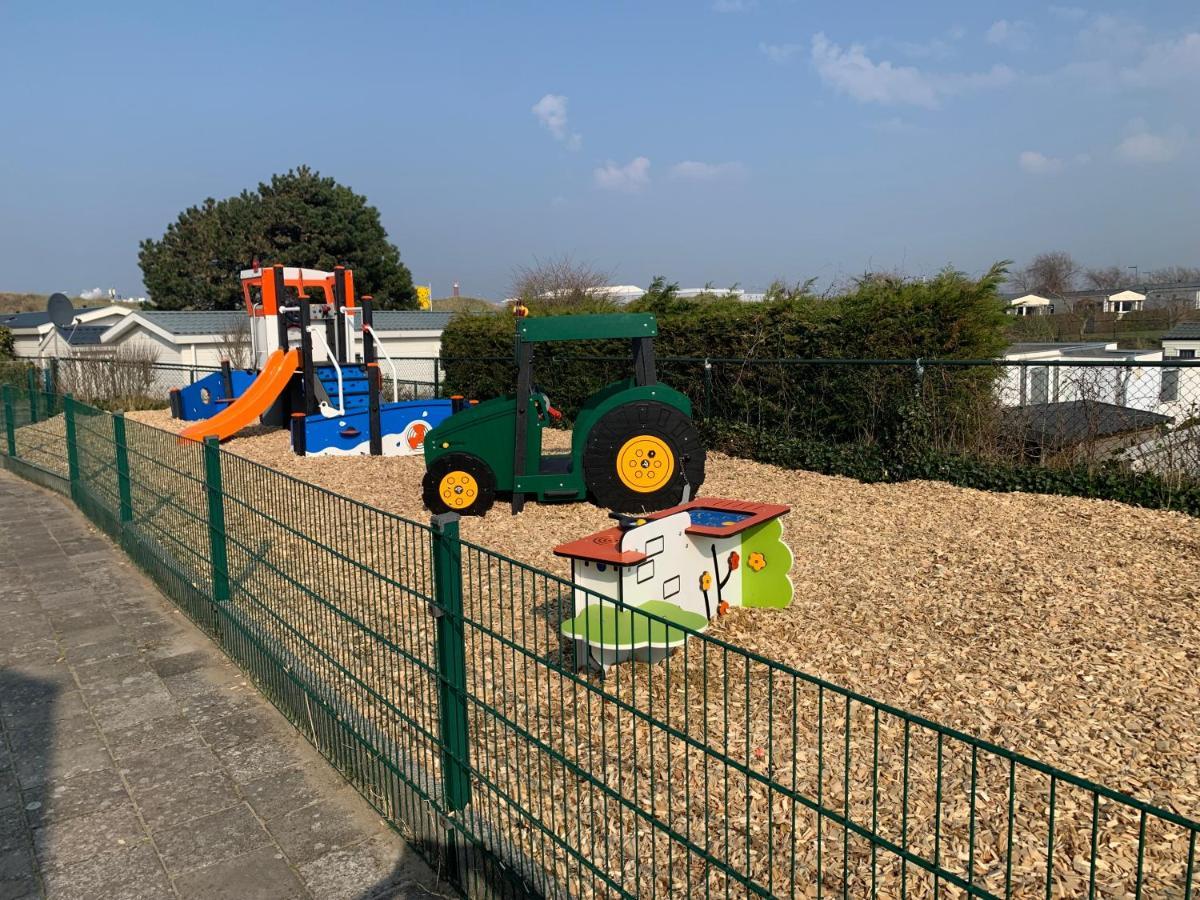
211, 839
262, 874
137, 761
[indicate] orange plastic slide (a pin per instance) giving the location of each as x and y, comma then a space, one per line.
269, 384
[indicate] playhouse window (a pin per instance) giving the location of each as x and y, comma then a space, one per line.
645, 571
670, 587
655, 546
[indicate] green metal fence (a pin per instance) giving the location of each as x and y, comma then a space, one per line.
431, 672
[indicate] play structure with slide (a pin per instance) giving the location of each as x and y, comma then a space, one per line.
320, 377
634, 446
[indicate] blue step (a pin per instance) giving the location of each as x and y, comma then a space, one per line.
348, 371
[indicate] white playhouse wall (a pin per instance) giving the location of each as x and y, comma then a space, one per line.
676, 562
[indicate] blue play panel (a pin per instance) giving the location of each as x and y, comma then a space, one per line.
206, 397
402, 425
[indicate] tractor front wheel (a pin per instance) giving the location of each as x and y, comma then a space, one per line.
461, 483
639, 456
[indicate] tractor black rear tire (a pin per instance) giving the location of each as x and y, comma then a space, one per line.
616, 438
473, 495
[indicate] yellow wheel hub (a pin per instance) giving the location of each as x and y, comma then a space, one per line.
458, 489
645, 463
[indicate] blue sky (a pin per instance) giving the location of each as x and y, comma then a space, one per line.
719, 140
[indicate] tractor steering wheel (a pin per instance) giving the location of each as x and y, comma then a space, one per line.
541, 403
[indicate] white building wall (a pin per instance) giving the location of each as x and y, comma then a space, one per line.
26, 343
139, 339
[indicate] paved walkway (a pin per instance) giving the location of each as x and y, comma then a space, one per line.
137, 761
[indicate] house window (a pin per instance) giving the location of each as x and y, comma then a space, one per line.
1039, 385
1169, 390
645, 571
1187, 354
670, 587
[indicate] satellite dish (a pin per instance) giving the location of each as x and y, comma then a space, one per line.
60, 310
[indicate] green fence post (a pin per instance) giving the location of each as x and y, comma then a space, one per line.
72, 446
218, 554
51, 376
121, 451
10, 422
31, 383
452, 668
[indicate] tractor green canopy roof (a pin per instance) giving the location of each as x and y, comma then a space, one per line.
583, 328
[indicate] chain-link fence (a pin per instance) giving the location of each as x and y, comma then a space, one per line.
881, 419
123, 384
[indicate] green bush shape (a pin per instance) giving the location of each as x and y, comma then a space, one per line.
605, 625
769, 587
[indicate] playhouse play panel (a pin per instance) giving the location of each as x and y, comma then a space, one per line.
683, 565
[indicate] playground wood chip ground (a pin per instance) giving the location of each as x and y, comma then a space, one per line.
1063, 628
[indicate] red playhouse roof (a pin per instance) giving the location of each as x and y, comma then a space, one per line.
604, 546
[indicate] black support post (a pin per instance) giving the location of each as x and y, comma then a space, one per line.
306, 359
280, 302
643, 362
339, 303
227, 378
524, 390
374, 381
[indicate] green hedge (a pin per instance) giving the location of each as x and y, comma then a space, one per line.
875, 463
950, 316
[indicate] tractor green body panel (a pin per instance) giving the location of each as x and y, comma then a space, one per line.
587, 328
489, 425
487, 431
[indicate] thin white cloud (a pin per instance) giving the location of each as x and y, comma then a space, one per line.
895, 125
1011, 35
92, 294
551, 112
1166, 63
691, 170
1036, 163
850, 71
629, 178
1109, 36
1068, 13
1146, 148
780, 53
733, 6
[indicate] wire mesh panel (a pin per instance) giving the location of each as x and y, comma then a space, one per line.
433, 673
718, 773
410, 378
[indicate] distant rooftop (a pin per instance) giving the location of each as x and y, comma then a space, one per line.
83, 335
411, 320
1059, 425
1184, 331
34, 319
1075, 350
214, 321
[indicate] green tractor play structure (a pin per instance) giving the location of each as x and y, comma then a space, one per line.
634, 447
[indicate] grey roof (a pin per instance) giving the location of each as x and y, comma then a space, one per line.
208, 321
221, 321
1058, 425
1047, 346
411, 320
34, 319
83, 335
1184, 331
